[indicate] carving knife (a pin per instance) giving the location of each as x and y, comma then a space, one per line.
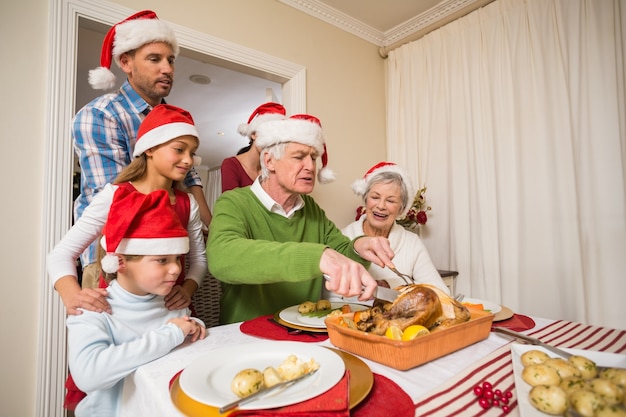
382, 293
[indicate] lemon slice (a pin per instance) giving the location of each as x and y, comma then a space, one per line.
393, 333
414, 331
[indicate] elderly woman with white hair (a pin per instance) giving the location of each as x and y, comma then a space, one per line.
387, 190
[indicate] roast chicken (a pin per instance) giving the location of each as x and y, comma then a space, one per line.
422, 304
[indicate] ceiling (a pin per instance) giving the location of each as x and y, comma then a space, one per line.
221, 105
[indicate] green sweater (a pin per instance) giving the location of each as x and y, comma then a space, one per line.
267, 262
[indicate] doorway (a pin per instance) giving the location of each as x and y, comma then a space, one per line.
61, 97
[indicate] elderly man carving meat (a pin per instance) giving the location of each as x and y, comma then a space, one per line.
270, 243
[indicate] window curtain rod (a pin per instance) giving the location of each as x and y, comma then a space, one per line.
383, 51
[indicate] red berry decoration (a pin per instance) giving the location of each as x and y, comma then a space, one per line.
484, 403
489, 397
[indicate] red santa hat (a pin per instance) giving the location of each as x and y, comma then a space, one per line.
164, 123
300, 128
141, 224
131, 33
263, 113
361, 185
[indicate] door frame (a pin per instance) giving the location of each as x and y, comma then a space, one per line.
58, 155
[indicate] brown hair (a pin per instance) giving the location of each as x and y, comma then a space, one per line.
108, 277
138, 168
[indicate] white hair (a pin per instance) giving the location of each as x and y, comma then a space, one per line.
276, 151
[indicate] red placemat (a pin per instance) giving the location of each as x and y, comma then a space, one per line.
266, 328
385, 399
332, 403
517, 323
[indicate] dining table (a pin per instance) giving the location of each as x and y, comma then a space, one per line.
441, 387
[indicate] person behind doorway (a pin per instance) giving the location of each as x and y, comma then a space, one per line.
270, 243
104, 131
142, 264
241, 170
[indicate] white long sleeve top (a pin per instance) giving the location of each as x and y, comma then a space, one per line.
411, 257
105, 348
62, 259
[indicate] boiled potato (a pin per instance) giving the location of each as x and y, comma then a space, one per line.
586, 402
610, 411
271, 377
563, 367
247, 382
609, 391
573, 383
615, 375
540, 374
586, 366
323, 305
306, 307
550, 399
534, 357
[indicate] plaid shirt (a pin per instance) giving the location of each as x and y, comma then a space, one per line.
104, 133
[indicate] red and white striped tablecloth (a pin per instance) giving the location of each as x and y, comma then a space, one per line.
456, 397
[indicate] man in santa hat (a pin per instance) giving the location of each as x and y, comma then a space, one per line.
270, 243
105, 130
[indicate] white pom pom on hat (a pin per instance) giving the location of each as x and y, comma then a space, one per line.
131, 33
141, 224
263, 113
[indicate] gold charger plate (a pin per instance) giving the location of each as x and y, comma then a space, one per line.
282, 322
361, 382
504, 314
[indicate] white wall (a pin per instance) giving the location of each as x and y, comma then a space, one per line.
345, 89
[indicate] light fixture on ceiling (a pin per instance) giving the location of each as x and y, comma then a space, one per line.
199, 79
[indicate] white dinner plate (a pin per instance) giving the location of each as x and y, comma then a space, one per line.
523, 389
207, 379
488, 305
292, 316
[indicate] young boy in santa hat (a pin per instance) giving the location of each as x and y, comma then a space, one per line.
144, 240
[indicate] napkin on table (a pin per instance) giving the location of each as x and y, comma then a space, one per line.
267, 328
333, 403
517, 323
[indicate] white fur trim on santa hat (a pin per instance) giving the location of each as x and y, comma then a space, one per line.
163, 134
290, 130
143, 246
247, 129
134, 33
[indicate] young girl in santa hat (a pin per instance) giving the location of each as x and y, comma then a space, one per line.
144, 240
166, 142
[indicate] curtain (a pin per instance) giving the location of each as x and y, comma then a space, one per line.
514, 118
213, 186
